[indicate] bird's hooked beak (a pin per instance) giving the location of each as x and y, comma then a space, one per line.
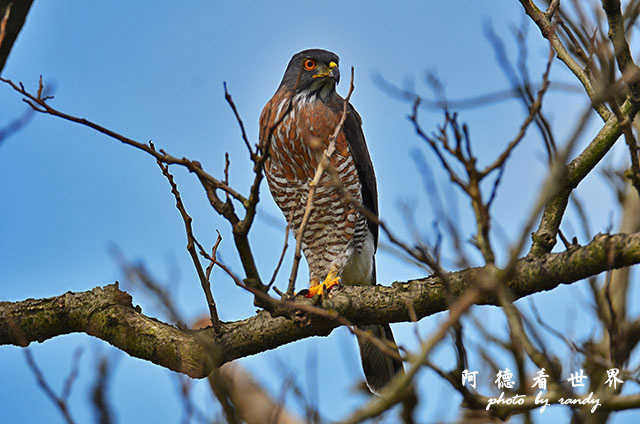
332, 71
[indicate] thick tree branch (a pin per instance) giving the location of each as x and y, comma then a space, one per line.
545, 236
108, 313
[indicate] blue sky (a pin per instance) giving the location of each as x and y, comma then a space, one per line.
156, 72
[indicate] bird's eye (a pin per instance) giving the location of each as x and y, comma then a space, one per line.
310, 64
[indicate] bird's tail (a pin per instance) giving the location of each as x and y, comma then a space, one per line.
379, 367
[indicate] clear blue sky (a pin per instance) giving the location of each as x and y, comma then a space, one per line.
154, 71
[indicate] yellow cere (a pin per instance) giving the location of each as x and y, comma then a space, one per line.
326, 73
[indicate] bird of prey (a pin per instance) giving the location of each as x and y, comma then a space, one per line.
339, 242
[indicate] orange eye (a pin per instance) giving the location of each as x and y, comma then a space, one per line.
310, 64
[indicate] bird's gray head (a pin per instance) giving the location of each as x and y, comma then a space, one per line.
314, 71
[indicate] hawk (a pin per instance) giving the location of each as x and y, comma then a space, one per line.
338, 242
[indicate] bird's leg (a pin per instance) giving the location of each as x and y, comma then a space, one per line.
324, 287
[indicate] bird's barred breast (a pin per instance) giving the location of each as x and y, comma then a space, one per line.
336, 229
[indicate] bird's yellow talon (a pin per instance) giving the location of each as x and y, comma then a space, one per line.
319, 289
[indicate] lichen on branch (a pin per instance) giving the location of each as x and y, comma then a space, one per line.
109, 314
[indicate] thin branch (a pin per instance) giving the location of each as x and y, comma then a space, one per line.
59, 401
546, 28
99, 393
138, 274
478, 101
227, 96
213, 255
434, 146
284, 249
632, 173
191, 248
16, 125
227, 164
533, 110
618, 38
471, 187
39, 104
394, 391
73, 374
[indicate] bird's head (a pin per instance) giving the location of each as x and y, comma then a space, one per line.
314, 71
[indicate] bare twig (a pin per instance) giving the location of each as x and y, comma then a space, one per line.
16, 125
99, 393
543, 20
213, 255
59, 401
471, 102
393, 393
521, 80
632, 173
39, 104
138, 274
253, 154
284, 249
227, 163
533, 110
471, 185
191, 246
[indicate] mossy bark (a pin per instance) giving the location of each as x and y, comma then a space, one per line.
109, 314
